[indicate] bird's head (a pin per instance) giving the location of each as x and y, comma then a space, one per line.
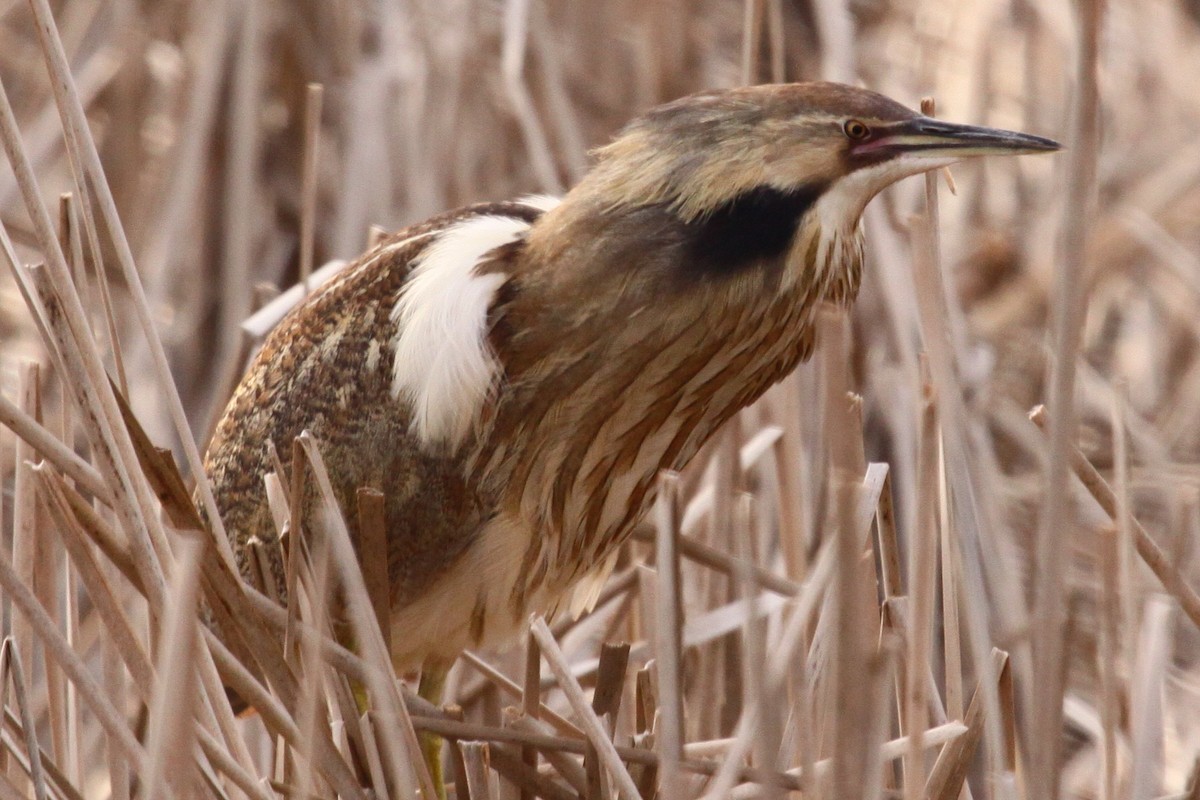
702, 151
765, 185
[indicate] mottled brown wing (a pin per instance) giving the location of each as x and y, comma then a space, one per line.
326, 368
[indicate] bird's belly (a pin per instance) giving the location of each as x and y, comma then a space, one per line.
472, 604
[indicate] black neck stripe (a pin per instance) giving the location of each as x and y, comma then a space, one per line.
753, 227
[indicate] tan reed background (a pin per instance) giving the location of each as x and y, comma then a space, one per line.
833, 577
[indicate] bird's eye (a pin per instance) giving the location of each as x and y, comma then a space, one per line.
855, 129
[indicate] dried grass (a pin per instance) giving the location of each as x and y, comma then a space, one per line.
917, 593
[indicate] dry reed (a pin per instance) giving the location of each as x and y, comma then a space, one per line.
912, 591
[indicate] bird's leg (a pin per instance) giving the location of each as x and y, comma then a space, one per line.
433, 683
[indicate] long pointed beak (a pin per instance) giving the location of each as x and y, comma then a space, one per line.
924, 137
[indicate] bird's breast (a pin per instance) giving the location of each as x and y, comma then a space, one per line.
578, 439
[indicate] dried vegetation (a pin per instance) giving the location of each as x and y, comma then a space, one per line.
917, 592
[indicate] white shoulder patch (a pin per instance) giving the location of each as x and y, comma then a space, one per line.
542, 202
443, 367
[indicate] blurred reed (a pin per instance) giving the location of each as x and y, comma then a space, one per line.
887, 579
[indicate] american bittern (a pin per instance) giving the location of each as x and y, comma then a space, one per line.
512, 376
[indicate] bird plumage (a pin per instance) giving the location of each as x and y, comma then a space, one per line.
513, 376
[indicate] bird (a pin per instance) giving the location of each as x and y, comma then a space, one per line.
513, 376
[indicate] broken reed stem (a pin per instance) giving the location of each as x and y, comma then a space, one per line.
946, 734
949, 772
229, 595
521, 735
795, 628
531, 700
49, 447
26, 531
933, 299
312, 599
1158, 561
591, 723
74, 120
921, 582
1146, 698
948, 563
383, 689
63, 783
806, 604
373, 752
149, 551
1049, 607
508, 764
293, 539
756, 688
374, 550
72, 755
57, 648
277, 720
1126, 542
55, 495
563, 763
10, 661
950, 319
668, 636
70, 139
794, 527
64, 718
851, 646
480, 781
606, 702
1108, 656
100, 592
726, 564
111, 443
174, 703
730, 771
509, 687
72, 246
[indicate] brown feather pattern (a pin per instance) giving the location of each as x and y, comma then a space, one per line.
617, 362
